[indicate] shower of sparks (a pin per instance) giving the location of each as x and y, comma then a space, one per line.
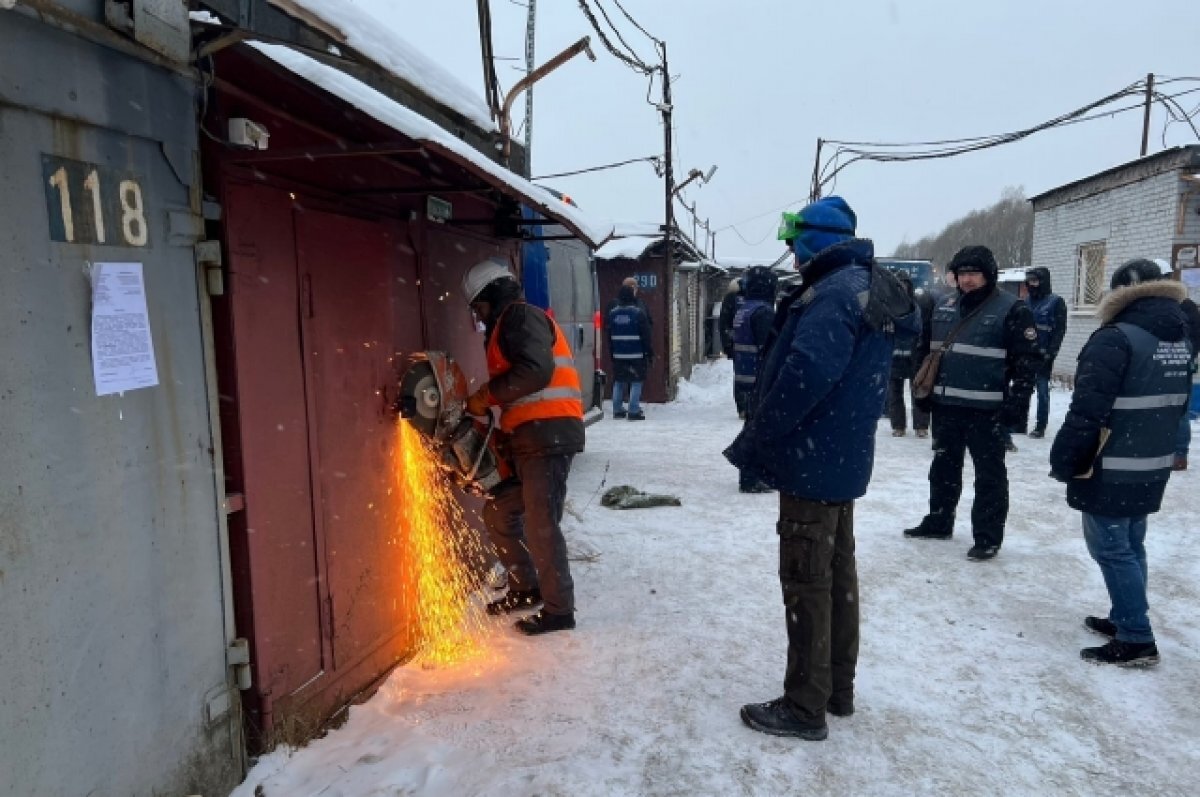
444, 556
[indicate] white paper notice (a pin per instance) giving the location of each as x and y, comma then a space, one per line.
122, 350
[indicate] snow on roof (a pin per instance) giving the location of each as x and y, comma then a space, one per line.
630, 229
415, 126
632, 247
377, 39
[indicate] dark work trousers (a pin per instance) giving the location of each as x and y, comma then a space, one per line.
897, 411
957, 430
820, 599
742, 397
523, 523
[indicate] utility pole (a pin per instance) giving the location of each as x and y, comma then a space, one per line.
1146, 117
530, 27
669, 218
814, 192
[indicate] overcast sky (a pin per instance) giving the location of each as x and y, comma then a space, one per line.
756, 82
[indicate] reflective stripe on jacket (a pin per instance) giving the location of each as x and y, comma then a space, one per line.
561, 398
745, 347
624, 326
1043, 316
1145, 415
973, 372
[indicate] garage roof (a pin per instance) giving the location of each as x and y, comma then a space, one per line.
436, 139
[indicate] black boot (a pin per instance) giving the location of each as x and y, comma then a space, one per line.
1038, 433
542, 622
1123, 654
778, 719
1101, 625
981, 553
515, 601
928, 531
840, 706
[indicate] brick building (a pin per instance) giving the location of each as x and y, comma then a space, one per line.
1084, 230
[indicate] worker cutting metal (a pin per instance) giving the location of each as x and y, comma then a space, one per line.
533, 381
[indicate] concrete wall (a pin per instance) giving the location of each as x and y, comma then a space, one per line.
113, 678
1137, 219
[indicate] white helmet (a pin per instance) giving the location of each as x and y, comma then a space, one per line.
483, 274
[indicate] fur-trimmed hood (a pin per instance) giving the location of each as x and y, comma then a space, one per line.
1118, 300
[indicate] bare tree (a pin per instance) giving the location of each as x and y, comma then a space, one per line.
1005, 227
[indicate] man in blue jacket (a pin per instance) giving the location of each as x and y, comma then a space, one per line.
812, 437
1050, 317
751, 327
1116, 447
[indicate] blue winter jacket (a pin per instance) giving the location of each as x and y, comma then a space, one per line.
822, 386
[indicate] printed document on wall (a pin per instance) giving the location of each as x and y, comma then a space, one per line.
122, 349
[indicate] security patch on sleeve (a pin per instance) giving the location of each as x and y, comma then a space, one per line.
1030, 333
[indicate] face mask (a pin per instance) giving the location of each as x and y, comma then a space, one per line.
804, 255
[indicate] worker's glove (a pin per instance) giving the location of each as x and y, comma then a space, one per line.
479, 401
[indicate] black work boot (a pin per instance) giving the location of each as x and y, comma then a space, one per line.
928, 531
1101, 625
981, 553
1038, 433
840, 706
516, 600
1123, 654
542, 622
778, 719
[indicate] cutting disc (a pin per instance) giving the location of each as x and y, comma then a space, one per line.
420, 383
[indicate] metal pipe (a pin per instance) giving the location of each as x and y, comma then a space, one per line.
584, 45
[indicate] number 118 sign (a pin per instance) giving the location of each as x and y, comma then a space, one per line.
89, 204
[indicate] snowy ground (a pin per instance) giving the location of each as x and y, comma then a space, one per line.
969, 680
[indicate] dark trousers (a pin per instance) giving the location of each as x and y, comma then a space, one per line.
523, 520
820, 598
1043, 401
897, 411
957, 430
742, 397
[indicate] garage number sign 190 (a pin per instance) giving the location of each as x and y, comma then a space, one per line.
90, 204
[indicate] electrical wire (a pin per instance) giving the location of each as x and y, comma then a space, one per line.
931, 150
615, 30
636, 65
636, 24
654, 160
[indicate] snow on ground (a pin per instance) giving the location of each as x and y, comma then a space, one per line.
969, 679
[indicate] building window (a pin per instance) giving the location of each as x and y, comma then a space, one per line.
1090, 260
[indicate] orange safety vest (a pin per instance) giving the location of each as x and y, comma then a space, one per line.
561, 398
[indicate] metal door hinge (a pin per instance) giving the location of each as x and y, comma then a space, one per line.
208, 257
237, 658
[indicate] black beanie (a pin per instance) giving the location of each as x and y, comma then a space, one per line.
975, 258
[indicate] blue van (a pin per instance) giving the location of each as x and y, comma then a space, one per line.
919, 271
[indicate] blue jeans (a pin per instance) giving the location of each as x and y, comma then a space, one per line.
635, 396
1118, 546
1043, 401
1183, 438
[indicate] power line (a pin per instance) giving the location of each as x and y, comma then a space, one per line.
655, 160
950, 148
635, 23
636, 64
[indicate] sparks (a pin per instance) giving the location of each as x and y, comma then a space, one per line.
442, 551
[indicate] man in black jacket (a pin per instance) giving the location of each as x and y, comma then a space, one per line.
1050, 316
985, 376
532, 379
1115, 447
